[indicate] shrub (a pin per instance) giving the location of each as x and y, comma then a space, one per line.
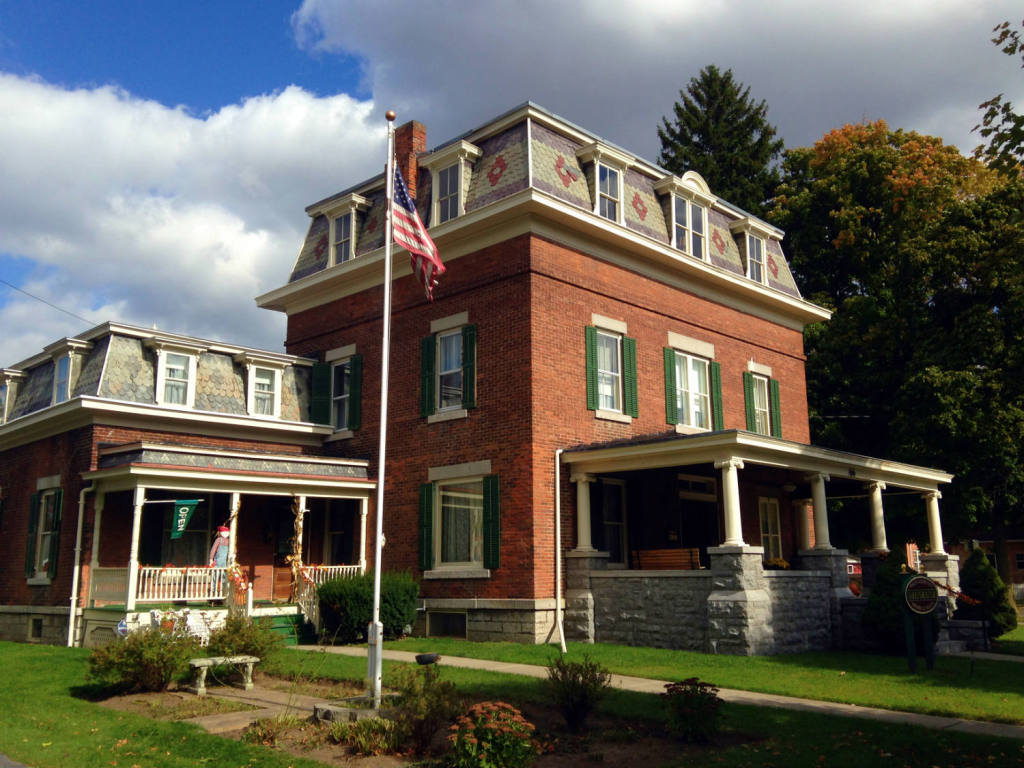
425, 703
370, 736
576, 687
268, 730
147, 660
979, 580
492, 734
691, 710
346, 605
241, 635
883, 615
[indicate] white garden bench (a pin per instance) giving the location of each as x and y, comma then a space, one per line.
202, 665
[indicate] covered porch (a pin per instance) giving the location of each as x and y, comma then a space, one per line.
721, 541
288, 516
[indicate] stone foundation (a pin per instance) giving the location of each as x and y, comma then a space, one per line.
34, 624
520, 621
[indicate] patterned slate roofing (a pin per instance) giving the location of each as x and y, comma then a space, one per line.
555, 168
220, 384
501, 170
206, 460
640, 206
35, 392
89, 376
130, 372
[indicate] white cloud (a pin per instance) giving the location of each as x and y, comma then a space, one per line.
137, 212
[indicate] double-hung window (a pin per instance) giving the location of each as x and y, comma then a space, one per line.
338, 390
61, 379
448, 193
609, 189
43, 534
689, 227
343, 237
755, 258
692, 391
771, 531
762, 401
448, 368
460, 528
264, 391
176, 378
176, 368
611, 369
693, 384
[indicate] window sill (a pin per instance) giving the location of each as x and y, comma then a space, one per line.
613, 416
39, 581
458, 573
341, 434
458, 413
686, 429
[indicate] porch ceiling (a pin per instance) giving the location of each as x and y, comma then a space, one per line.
710, 447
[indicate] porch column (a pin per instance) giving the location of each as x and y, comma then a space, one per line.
300, 518
878, 543
236, 503
931, 500
364, 508
731, 500
584, 541
97, 518
133, 557
805, 522
821, 539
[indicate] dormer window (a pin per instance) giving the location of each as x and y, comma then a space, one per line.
755, 258
176, 364
61, 379
343, 250
447, 193
690, 201
448, 167
608, 177
3, 402
263, 383
609, 193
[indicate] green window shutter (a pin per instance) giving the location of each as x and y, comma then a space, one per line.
671, 406
58, 503
630, 402
355, 392
428, 355
30, 545
775, 406
469, 366
492, 522
426, 526
320, 401
748, 401
717, 412
591, 367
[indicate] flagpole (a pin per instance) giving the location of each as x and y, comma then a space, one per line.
375, 632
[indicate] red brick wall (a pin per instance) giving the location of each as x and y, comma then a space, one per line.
531, 300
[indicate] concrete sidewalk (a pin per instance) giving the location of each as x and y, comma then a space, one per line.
644, 685
268, 704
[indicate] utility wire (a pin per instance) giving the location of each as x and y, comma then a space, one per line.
47, 303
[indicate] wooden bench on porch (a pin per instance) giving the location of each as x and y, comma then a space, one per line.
667, 559
201, 665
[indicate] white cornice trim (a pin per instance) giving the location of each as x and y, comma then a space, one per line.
756, 449
449, 155
534, 211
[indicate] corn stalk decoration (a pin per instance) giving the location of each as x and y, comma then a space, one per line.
295, 558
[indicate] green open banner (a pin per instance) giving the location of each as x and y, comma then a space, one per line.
183, 510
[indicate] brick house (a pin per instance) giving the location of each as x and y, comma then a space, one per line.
604, 408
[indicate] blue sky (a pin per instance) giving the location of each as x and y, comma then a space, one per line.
156, 157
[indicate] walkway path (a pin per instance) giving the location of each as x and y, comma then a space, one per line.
645, 685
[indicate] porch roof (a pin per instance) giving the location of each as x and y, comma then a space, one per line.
155, 465
710, 447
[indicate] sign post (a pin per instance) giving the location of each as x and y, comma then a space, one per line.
920, 596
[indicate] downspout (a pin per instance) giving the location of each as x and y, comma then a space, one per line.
558, 548
78, 563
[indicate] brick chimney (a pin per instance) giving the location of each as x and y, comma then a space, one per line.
410, 141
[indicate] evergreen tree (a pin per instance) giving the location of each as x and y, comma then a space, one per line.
722, 134
978, 579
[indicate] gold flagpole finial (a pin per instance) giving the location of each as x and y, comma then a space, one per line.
390, 115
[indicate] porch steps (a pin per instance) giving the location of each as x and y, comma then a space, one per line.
293, 628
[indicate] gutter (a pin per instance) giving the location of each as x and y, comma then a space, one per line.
76, 571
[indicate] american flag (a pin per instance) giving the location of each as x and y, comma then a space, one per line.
410, 233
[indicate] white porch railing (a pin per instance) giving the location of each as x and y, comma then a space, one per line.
311, 577
108, 585
161, 585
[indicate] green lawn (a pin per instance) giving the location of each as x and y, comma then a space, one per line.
45, 725
957, 687
1011, 643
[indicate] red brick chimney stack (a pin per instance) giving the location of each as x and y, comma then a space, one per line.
410, 141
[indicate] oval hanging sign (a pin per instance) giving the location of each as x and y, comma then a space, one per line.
921, 594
